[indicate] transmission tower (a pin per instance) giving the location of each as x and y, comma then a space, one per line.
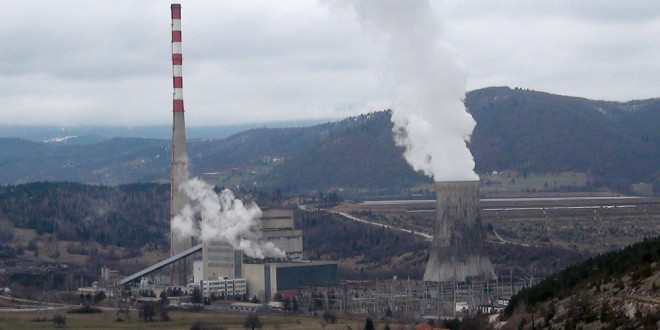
46, 273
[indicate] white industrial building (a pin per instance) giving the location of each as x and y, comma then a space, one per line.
223, 287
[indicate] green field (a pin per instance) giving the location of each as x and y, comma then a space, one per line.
513, 182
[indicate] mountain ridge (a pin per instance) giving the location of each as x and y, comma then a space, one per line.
615, 143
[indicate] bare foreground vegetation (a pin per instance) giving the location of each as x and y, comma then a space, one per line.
184, 320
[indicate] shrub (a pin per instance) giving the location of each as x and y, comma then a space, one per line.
85, 310
147, 312
252, 322
59, 320
329, 317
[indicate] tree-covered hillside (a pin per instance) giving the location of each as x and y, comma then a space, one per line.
363, 155
616, 289
128, 216
615, 144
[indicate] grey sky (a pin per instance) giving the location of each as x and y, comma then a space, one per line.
108, 62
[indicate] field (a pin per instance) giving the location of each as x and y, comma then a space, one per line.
513, 182
180, 320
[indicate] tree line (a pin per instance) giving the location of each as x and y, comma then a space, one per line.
127, 215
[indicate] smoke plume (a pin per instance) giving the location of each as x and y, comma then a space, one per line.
223, 218
428, 85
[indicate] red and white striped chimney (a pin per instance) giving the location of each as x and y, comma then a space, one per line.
182, 270
177, 58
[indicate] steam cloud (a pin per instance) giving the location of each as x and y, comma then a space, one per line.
223, 218
428, 84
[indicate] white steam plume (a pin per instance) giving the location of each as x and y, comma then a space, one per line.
223, 218
428, 84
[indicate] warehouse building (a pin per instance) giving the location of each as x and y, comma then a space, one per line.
266, 279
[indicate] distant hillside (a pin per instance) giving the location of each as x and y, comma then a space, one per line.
362, 155
616, 289
115, 161
253, 147
615, 144
96, 134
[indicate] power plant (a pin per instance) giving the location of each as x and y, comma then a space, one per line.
221, 264
182, 269
456, 253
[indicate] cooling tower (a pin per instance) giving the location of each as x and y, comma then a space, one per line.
456, 252
181, 270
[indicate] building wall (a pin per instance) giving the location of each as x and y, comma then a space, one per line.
276, 224
291, 277
198, 270
265, 280
221, 260
289, 241
276, 219
224, 287
277, 227
255, 276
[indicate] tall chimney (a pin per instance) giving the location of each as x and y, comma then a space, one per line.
181, 270
457, 249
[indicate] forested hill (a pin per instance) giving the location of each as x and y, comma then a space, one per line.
615, 144
619, 288
125, 215
362, 155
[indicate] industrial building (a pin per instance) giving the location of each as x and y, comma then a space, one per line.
220, 259
277, 227
224, 287
266, 279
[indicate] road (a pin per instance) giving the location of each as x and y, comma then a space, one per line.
424, 235
373, 223
503, 241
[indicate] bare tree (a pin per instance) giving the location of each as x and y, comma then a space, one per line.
252, 322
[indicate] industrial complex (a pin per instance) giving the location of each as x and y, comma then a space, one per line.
215, 266
221, 270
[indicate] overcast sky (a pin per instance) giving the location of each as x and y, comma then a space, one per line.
108, 62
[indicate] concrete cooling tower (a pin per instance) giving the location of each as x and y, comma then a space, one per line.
456, 252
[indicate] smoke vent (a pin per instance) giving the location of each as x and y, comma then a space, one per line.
181, 270
456, 252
